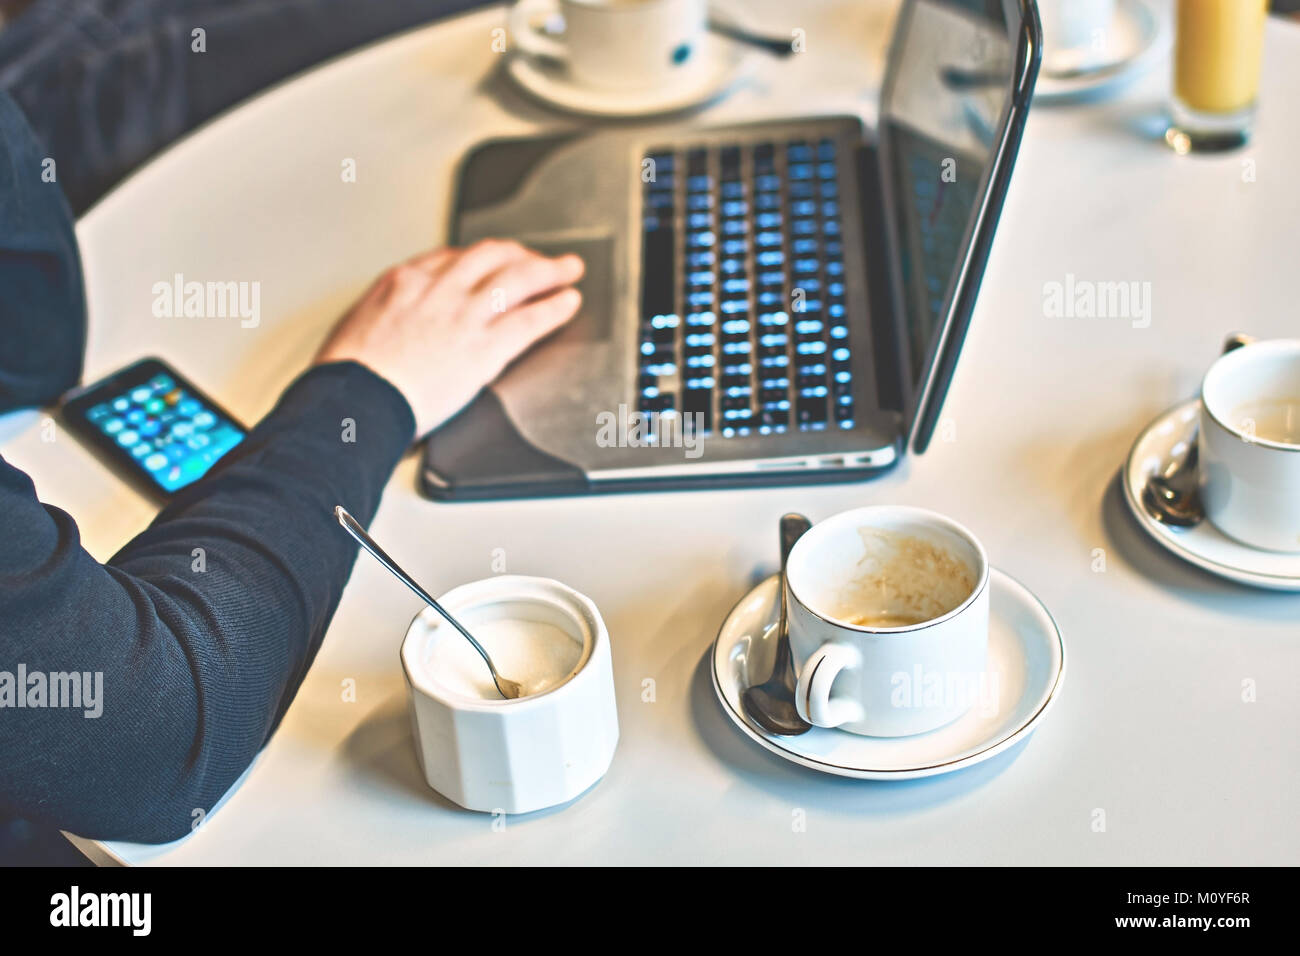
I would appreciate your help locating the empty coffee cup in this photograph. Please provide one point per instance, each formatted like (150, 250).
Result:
(514, 756)
(889, 617)
(614, 44)
(1249, 444)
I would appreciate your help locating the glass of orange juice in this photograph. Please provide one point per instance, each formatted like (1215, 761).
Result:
(1217, 52)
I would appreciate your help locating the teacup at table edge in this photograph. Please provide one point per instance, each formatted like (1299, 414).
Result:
(1250, 472)
(615, 44)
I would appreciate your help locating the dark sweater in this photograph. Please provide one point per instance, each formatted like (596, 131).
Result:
(198, 666)
(107, 83)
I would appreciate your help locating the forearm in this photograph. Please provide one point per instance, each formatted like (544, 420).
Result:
(203, 626)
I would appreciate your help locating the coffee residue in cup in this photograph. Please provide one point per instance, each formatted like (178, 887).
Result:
(1276, 420)
(887, 619)
(906, 581)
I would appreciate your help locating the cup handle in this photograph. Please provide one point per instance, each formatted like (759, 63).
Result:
(813, 693)
(527, 37)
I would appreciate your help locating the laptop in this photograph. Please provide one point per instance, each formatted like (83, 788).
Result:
(773, 303)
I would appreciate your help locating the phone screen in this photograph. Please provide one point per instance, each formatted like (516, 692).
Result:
(154, 422)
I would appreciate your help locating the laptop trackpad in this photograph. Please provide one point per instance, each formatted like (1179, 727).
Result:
(553, 392)
(594, 320)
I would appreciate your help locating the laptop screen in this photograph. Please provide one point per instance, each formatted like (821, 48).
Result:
(943, 114)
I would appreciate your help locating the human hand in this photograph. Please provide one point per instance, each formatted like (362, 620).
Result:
(444, 324)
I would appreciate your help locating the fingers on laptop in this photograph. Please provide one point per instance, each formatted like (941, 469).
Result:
(480, 260)
(538, 318)
(495, 278)
(522, 280)
(435, 261)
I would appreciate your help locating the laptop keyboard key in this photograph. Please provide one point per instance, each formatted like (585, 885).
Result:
(758, 227)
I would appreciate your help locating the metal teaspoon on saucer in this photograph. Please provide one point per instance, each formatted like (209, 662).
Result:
(771, 703)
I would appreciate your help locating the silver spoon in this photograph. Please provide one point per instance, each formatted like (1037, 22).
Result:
(509, 689)
(776, 46)
(1173, 496)
(771, 703)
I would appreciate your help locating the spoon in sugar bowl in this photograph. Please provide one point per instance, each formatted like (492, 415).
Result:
(509, 689)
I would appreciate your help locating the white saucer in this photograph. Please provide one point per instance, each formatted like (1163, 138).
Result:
(1138, 36)
(726, 62)
(1203, 545)
(1026, 653)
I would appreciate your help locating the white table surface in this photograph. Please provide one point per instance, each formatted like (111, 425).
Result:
(1150, 727)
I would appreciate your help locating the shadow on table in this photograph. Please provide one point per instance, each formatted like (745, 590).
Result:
(506, 93)
(1146, 119)
(383, 748)
(1089, 468)
(28, 844)
(1177, 576)
(764, 770)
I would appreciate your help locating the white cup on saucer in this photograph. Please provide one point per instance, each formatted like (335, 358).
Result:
(889, 621)
(487, 753)
(1076, 26)
(615, 44)
(1249, 444)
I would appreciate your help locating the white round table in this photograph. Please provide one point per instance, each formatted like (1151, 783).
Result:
(1151, 733)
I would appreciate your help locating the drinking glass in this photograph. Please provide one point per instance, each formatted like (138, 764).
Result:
(1217, 50)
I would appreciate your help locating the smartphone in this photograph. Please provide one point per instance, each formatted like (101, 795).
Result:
(152, 426)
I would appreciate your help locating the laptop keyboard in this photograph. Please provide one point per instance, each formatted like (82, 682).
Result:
(742, 308)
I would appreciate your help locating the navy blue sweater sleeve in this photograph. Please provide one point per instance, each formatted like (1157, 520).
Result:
(202, 627)
(188, 646)
(42, 304)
